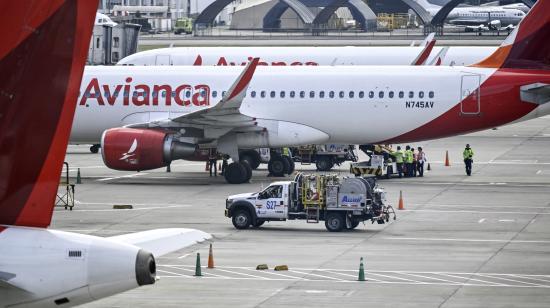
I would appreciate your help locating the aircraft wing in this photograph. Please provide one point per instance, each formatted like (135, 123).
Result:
(163, 241)
(222, 117)
(470, 21)
(536, 93)
(7, 286)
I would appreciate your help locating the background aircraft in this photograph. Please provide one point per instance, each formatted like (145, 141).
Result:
(41, 267)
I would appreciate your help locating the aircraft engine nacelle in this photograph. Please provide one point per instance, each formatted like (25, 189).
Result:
(132, 149)
(494, 24)
(72, 269)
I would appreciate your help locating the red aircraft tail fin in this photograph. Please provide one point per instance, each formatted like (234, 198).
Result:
(42, 60)
(527, 46)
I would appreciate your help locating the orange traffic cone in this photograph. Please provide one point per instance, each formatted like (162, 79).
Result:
(207, 168)
(447, 164)
(210, 258)
(401, 206)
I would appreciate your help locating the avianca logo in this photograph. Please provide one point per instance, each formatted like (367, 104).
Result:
(223, 62)
(131, 151)
(145, 95)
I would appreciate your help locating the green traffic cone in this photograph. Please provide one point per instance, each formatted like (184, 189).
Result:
(361, 271)
(198, 266)
(78, 178)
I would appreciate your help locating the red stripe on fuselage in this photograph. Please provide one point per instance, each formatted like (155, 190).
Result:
(500, 104)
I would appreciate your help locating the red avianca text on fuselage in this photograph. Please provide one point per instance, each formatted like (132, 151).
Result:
(144, 94)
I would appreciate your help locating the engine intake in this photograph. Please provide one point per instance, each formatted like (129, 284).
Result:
(146, 268)
(132, 149)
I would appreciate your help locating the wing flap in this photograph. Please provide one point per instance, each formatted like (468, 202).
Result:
(163, 241)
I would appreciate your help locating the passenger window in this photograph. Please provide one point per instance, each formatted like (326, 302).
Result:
(381, 94)
(411, 94)
(282, 94)
(262, 94)
(253, 94)
(371, 94)
(214, 94)
(390, 94)
(351, 94)
(312, 94)
(421, 94)
(292, 94)
(431, 94)
(272, 94)
(331, 94)
(322, 94)
(361, 94)
(302, 94)
(341, 94)
(401, 94)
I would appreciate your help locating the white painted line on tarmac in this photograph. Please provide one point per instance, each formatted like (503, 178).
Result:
(479, 206)
(203, 272)
(316, 275)
(478, 280)
(134, 209)
(539, 172)
(122, 177)
(530, 277)
(398, 278)
(184, 256)
(239, 273)
(477, 212)
(427, 277)
(508, 279)
(276, 274)
(176, 274)
(463, 240)
(506, 220)
(481, 221)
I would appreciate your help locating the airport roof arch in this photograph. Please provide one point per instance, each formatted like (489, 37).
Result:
(441, 15)
(421, 11)
(360, 11)
(273, 16)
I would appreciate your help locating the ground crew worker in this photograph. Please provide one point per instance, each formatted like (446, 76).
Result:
(286, 152)
(224, 163)
(420, 160)
(414, 164)
(399, 160)
(212, 160)
(408, 162)
(468, 155)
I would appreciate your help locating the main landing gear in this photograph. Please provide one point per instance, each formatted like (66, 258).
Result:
(95, 148)
(280, 165)
(238, 172)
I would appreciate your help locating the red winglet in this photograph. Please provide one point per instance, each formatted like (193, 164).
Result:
(42, 60)
(423, 56)
(245, 78)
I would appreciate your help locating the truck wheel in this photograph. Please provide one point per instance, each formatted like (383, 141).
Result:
(335, 222)
(95, 148)
(241, 219)
(258, 223)
(236, 173)
(278, 166)
(291, 165)
(324, 163)
(252, 157)
(389, 172)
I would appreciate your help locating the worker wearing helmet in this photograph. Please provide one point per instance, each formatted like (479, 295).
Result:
(468, 155)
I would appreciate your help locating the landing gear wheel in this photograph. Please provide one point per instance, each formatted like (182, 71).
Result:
(324, 163)
(291, 164)
(278, 166)
(248, 170)
(241, 220)
(236, 173)
(252, 157)
(335, 222)
(95, 148)
(258, 223)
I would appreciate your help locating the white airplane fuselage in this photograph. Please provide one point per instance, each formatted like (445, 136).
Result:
(353, 115)
(302, 56)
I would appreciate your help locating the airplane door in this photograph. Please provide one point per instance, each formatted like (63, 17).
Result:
(469, 96)
(162, 60)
